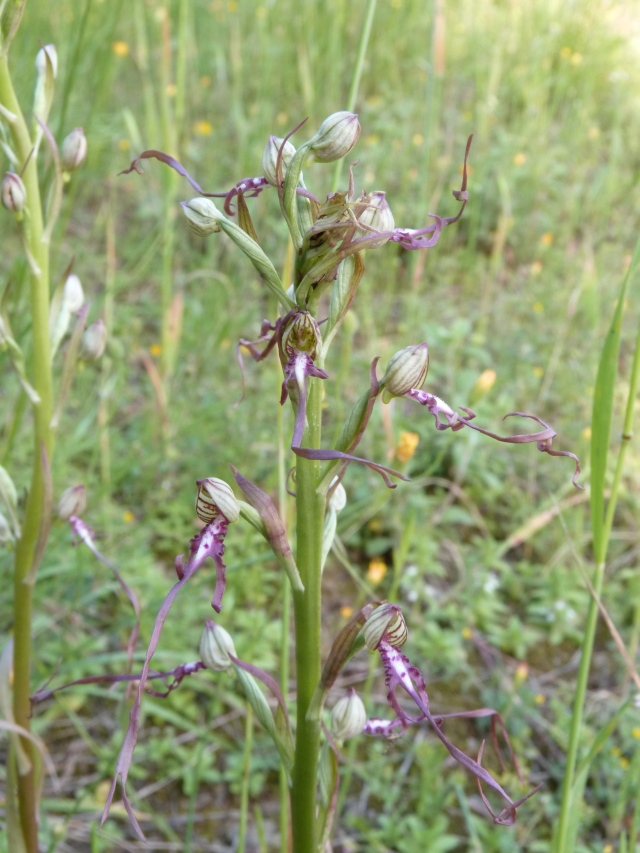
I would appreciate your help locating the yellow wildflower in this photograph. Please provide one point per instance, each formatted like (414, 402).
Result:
(376, 571)
(467, 633)
(547, 238)
(155, 349)
(539, 698)
(124, 144)
(120, 48)
(538, 307)
(203, 128)
(346, 611)
(128, 516)
(519, 159)
(406, 447)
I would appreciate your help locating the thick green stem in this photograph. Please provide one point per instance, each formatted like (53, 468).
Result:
(43, 439)
(310, 521)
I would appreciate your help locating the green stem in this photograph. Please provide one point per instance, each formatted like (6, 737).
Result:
(43, 440)
(285, 625)
(357, 74)
(246, 779)
(310, 522)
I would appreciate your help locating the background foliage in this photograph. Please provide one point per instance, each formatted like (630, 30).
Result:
(483, 548)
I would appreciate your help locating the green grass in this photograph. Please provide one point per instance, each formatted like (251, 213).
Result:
(525, 284)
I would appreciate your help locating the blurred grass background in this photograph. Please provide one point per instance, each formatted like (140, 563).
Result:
(483, 548)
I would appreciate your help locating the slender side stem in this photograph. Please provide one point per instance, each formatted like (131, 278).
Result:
(43, 439)
(246, 779)
(310, 521)
(357, 74)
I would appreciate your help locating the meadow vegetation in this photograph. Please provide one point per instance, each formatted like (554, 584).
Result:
(486, 548)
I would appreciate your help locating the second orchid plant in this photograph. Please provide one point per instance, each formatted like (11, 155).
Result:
(329, 237)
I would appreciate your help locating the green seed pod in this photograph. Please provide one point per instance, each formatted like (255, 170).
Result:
(13, 193)
(386, 622)
(215, 647)
(348, 716)
(407, 369)
(270, 158)
(202, 215)
(335, 138)
(73, 150)
(215, 497)
(73, 501)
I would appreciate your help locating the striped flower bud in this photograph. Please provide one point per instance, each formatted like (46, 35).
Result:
(348, 717)
(385, 623)
(215, 497)
(406, 370)
(373, 210)
(13, 192)
(302, 335)
(73, 150)
(202, 215)
(335, 138)
(73, 501)
(270, 158)
(215, 647)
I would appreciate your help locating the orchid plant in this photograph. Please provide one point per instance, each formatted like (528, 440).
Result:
(329, 237)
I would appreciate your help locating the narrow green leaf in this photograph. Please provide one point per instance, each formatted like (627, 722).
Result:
(603, 413)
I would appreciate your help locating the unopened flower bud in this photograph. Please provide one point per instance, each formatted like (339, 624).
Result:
(6, 534)
(73, 501)
(407, 369)
(335, 138)
(270, 158)
(202, 215)
(73, 150)
(386, 622)
(348, 716)
(94, 341)
(49, 50)
(375, 212)
(73, 294)
(302, 335)
(215, 647)
(338, 499)
(14, 193)
(215, 497)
